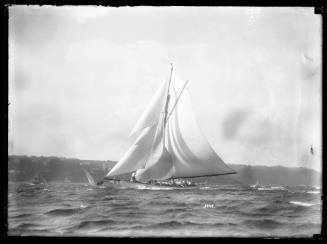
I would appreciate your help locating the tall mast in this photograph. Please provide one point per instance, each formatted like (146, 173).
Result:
(166, 104)
(168, 96)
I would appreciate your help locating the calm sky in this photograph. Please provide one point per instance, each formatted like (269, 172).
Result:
(79, 78)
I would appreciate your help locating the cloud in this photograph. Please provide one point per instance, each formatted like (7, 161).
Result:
(233, 122)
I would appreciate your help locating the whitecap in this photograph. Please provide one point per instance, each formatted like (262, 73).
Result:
(83, 206)
(313, 192)
(206, 188)
(304, 204)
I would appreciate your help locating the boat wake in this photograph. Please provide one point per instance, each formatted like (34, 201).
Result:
(156, 188)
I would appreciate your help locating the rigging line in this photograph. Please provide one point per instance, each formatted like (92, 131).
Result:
(176, 101)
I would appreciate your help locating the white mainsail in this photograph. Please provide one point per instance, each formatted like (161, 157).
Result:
(175, 149)
(191, 152)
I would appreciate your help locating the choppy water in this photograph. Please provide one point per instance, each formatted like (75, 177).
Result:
(209, 210)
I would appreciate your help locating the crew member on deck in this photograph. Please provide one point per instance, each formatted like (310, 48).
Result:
(99, 182)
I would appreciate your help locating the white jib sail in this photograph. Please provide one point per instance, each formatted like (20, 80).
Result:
(136, 155)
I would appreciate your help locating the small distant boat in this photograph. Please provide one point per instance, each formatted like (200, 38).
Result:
(170, 145)
(256, 185)
(89, 178)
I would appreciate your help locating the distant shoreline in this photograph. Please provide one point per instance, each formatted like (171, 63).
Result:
(24, 168)
(114, 162)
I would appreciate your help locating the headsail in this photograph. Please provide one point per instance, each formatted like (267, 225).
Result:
(136, 155)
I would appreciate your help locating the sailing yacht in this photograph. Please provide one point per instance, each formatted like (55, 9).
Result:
(256, 185)
(89, 178)
(170, 145)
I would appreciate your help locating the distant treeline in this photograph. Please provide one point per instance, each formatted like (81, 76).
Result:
(25, 168)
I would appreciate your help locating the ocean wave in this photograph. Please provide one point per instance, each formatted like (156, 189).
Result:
(27, 226)
(64, 211)
(304, 204)
(263, 223)
(173, 223)
(93, 223)
(24, 215)
(176, 224)
(106, 198)
(112, 211)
